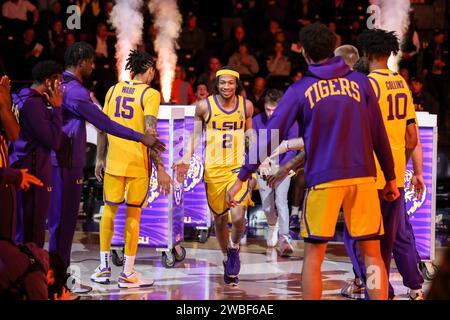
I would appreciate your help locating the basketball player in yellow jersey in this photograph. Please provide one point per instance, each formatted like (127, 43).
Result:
(135, 105)
(227, 118)
(399, 118)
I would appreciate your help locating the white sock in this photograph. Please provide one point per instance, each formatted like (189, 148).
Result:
(294, 211)
(104, 259)
(128, 264)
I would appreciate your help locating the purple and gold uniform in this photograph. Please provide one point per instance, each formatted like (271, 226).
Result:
(224, 153)
(127, 163)
(397, 108)
(341, 124)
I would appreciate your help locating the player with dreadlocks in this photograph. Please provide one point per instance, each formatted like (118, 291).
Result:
(399, 118)
(133, 104)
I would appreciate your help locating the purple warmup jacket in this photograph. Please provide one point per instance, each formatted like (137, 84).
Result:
(77, 108)
(340, 122)
(40, 132)
(260, 121)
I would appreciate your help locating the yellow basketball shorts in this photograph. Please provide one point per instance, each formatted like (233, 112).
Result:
(135, 188)
(360, 204)
(216, 196)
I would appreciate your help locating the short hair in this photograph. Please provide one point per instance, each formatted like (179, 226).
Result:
(239, 86)
(45, 70)
(139, 62)
(318, 41)
(379, 43)
(349, 53)
(201, 83)
(78, 52)
(273, 96)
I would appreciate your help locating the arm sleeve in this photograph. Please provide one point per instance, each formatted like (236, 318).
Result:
(151, 100)
(91, 113)
(46, 131)
(283, 118)
(380, 139)
(10, 176)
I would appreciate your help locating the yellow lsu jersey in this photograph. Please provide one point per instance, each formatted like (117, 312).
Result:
(397, 109)
(225, 140)
(127, 103)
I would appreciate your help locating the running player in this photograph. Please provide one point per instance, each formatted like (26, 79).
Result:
(134, 105)
(228, 118)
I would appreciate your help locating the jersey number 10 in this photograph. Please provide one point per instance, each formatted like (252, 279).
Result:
(123, 109)
(398, 102)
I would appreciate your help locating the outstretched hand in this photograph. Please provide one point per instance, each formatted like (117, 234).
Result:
(28, 180)
(150, 139)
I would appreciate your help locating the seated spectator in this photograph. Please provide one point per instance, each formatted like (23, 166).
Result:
(192, 38)
(56, 35)
(182, 93)
(201, 91)
(29, 52)
(332, 27)
(104, 47)
(209, 76)
(267, 38)
(18, 9)
(404, 72)
(60, 49)
(279, 64)
(232, 45)
(243, 62)
(90, 11)
(423, 100)
(256, 94)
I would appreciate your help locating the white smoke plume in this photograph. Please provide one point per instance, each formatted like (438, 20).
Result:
(394, 17)
(126, 17)
(168, 23)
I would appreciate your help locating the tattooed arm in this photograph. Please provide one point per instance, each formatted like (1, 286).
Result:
(164, 180)
(283, 171)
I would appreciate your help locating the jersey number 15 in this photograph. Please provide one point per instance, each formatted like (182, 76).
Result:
(123, 109)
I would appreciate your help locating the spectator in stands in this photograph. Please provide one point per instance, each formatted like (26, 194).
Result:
(404, 72)
(256, 94)
(29, 51)
(423, 100)
(192, 38)
(278, 64)
(436, 69)
(182, 93)
(232, 45)
(58, 52)
(209, 76)
(105, 16)
(18, 9)
(332, 27)
(267, 39)
(296, 75)
(56, 35)
(244, 62)
(90, 11)
(201, 91)
(103, 46)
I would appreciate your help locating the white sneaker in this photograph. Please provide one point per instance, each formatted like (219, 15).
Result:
(134, 280)
(101, 275)
(243, 241)
(272, 236)
(285, 248)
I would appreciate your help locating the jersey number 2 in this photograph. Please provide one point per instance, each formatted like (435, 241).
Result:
(127, 112)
